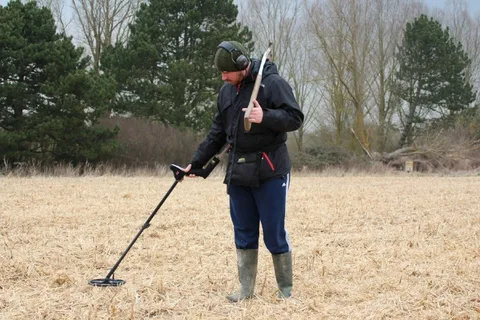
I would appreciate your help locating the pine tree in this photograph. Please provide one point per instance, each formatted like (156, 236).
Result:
(166, 72)
(432, 76)
(49, 102)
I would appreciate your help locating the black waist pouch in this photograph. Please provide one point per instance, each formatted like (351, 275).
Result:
(245, 169)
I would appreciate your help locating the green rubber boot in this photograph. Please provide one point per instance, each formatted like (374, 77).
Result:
(283, 272)
(247, 260)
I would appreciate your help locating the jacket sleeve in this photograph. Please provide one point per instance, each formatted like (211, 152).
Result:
(283, 114)
(213, 143)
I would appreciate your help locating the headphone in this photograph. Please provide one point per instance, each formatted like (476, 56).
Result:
(241, 61)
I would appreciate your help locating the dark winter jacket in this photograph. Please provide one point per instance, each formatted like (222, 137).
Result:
(259, 154)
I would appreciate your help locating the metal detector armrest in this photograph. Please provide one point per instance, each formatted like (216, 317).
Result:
(205, 171)
(202, 172)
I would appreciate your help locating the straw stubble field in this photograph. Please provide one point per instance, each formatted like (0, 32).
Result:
(378, 247)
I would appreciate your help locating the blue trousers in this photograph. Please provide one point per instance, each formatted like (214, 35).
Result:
(266, 204)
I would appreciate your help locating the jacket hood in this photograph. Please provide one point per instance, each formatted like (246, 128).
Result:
(268, 69)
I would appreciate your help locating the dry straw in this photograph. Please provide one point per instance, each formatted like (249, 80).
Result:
(383, 247)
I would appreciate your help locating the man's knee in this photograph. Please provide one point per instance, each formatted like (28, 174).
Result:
(246, 239)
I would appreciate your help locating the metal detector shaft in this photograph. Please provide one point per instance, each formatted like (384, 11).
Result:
(145, 226)
(108, 281)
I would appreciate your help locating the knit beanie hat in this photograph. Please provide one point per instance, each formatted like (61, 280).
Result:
(226, 60)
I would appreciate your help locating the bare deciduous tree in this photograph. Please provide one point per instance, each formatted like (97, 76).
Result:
(60, 12)
(343, 30)
(465, 27)
(271, 21)
(103, 22)
(390, 17)
(330, 75)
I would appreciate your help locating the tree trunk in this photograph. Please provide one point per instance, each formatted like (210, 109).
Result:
(406, 136)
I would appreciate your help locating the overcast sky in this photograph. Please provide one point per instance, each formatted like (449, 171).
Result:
(474, 5)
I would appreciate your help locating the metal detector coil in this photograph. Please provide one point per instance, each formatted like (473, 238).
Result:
(107, 282)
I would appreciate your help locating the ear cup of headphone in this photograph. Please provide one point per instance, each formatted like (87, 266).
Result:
(241, 61)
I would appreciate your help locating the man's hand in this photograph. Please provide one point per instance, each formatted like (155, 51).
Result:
(256, 115)
(187, 169)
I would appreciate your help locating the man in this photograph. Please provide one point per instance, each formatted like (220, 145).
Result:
(258, 170)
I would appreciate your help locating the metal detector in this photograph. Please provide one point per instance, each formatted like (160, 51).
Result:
(178, 173)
